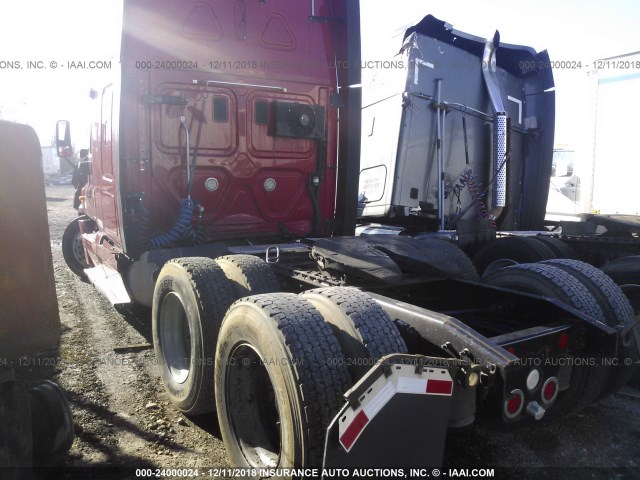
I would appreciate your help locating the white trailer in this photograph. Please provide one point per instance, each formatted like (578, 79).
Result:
(596, 174)
(616, 161)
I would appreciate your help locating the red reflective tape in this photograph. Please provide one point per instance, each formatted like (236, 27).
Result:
(441, 387)
(350, 435)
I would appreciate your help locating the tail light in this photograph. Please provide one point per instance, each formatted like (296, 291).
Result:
(549, 390)
(563, 340)
(513, 404)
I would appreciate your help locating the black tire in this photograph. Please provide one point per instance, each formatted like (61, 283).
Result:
(587, 383)
(52, 424)
(457, 256)
(190, 300)
(248, 275)
(616, 309)
(364, 330)
(72, 249)
(279, 381)
(518, 249)
(624, 270)
(558, 247)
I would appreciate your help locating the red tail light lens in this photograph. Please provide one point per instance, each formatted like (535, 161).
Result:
(563, 340)
(513, 404)
(549, 390)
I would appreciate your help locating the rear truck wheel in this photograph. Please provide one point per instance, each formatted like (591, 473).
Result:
(364, 330)
(559, 248)
(616, 308)
(190, 300)
(587, 383)
(279, 380)
(518, 249)
(626, 271)
(617, 313)
(248, 275)
(73, 250)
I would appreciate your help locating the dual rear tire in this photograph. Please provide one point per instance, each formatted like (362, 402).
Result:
(283, 363)
(278, 383)
(273, 365)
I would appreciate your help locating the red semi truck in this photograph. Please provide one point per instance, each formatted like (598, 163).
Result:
(223, 191)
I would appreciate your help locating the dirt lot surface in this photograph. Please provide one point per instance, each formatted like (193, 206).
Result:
(123, 418)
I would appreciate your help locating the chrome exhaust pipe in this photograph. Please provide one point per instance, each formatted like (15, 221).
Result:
(499, 125)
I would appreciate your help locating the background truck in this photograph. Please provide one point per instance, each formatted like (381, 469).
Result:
(565, 188)
(604, 154)
(224, 193)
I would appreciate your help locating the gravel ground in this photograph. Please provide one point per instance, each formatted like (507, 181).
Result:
(123, 418)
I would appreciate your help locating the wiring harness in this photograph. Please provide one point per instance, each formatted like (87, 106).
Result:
(470, 181)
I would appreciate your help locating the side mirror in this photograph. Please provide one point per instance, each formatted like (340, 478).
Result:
(63, 139)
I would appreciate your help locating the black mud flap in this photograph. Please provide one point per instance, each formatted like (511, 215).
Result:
(396, 416)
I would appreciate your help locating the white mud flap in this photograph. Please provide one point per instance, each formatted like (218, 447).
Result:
(396, 415)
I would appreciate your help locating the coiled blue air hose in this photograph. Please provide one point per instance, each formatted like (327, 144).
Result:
(182, 230)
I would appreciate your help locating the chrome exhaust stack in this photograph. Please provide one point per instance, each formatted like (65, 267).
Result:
(499, 126)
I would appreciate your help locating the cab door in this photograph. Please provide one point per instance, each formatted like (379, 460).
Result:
(106, 188)
(102, 198)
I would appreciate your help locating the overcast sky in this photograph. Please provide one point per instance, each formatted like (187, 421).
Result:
(76, 30)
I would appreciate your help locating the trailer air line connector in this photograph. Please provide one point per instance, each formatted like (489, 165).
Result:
(499, 125)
